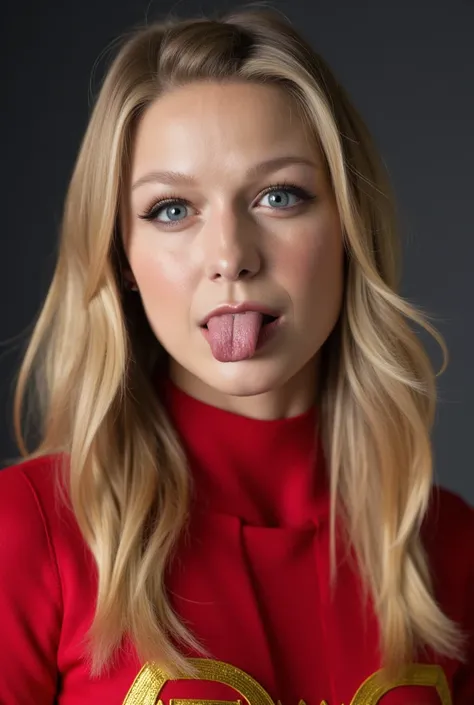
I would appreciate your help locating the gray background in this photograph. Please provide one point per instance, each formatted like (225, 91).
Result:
(409, 68)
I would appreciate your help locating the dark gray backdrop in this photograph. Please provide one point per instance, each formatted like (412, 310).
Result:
(409, 67)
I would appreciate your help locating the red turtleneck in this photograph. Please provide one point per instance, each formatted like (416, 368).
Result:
(250, 579)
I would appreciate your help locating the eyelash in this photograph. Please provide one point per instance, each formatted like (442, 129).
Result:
(151, 212)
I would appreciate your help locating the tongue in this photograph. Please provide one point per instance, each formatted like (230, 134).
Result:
(234, 336)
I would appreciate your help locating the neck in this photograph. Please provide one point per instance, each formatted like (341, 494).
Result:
(267, 472)
(291, 398)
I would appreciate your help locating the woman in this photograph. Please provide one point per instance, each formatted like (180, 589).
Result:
(232, 496)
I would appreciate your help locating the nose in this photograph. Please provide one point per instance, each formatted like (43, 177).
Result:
(231, 250)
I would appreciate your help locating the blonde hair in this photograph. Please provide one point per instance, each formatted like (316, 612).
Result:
(92, 353)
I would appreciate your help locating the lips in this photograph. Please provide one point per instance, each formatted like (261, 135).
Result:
(269, 313)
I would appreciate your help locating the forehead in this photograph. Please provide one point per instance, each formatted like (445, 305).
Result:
(226, 124)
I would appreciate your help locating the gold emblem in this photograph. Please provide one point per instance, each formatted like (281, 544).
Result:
(149, 683)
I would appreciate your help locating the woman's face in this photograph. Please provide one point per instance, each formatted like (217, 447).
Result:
(232, 233)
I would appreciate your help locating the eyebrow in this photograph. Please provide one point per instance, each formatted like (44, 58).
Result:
(176, 177)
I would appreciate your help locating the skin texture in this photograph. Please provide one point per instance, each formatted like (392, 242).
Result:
(233, 243)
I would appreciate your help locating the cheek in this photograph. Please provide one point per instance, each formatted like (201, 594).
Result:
(313, 266)
(163, 278)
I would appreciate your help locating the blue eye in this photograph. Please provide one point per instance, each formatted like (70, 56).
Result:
(170, 211)
(279, 195)
(276, 199)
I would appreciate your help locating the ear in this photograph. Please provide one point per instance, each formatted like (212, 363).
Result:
(129, 280)
(128, 276)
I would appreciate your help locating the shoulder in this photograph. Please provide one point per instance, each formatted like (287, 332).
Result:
(448, 537)
(449, 518)
(31, 480)
(28, 561)
(31, 581)
(29, 502)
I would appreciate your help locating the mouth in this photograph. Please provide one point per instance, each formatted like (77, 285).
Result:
(268, 313)
(267, 319)
(237, 335)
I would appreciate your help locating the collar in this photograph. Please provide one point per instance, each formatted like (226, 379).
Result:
(266, 472)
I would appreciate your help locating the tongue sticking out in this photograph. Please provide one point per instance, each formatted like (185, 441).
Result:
(234, 336)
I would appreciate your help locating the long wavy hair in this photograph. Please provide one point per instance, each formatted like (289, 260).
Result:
(90, 359)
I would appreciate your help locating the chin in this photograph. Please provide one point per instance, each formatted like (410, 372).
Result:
(244, 379)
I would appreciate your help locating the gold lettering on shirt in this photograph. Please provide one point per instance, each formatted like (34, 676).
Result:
(373, 689)
(192, 701)
(148, 684)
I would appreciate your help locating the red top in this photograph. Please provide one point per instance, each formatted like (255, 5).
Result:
(251, 581)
